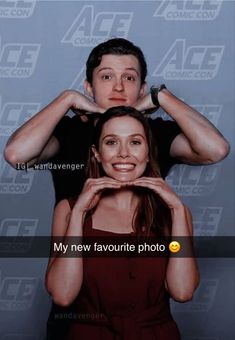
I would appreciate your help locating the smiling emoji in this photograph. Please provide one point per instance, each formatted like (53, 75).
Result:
(174, 247)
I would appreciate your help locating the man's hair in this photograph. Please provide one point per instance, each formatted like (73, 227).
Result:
(115, 46)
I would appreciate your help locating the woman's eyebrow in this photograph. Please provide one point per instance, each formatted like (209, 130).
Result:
(110, 135)
(116, 136)
(137, 135)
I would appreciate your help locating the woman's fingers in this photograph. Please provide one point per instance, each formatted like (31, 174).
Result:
(97, 184)
(105, 185)
(161, 188)
(150, 182)
(92, 190)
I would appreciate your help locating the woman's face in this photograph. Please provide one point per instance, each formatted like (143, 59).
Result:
(123, 148)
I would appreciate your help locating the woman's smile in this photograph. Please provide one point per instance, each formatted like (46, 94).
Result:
(123, 167)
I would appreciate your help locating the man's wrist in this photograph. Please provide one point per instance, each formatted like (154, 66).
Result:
(68, 98)
(154, 91)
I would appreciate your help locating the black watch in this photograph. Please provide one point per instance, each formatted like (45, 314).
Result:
(154, 90)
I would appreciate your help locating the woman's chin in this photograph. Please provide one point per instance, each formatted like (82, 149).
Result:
(124, 177)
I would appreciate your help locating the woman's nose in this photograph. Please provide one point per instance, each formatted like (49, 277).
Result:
(123, 151)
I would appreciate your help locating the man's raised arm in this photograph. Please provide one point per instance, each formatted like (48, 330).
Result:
(34, 142)
(200, 142)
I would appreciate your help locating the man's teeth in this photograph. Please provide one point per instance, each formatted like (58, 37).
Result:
(127, 166)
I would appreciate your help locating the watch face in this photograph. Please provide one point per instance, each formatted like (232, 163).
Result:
(154, 89)
(158, 88)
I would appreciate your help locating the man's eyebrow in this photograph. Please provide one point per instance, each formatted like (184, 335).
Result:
(126, 69)
(132, 69)
(104, 68)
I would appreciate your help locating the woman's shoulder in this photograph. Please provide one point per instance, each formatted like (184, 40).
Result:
(65, 203)
(61, 215)
(64, 207)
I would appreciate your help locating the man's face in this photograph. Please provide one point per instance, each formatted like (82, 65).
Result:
(116, 81)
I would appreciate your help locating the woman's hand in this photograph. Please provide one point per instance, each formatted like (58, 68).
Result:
(161, 188)
(92, 190)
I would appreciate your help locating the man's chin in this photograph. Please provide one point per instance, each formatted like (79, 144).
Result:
(117, 103)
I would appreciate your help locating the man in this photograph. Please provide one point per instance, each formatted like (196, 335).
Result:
(115, 75)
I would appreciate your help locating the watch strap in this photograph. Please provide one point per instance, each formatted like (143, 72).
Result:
(154, 90)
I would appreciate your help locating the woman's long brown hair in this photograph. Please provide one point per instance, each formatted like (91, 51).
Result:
(151, 212)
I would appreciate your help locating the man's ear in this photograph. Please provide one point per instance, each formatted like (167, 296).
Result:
(96, 153)
(143, 90)
(88, 88)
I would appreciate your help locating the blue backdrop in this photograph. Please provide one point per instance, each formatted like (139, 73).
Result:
(189, 45)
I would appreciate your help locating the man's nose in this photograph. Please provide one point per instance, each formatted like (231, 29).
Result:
(118, 85)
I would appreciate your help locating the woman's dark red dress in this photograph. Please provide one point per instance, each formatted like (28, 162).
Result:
(122, 298)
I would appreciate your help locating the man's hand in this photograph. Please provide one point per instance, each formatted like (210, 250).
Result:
(80, 104)
(145, 104)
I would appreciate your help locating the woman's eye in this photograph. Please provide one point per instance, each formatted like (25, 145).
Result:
(136, 142)
(110, 142)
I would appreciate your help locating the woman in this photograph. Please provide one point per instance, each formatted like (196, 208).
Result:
(122, 297)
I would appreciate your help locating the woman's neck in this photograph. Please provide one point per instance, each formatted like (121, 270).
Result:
(123, 199)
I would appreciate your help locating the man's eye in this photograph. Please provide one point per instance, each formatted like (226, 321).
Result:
(129, 77)
(106, 77)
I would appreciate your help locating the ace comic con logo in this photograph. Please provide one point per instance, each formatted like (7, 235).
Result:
(91, 28)
(190, 62)
(194, 181)
(14, 181)
(17, 9)
(17, 235)
(19, 227)
(206, 220)
(17, 292)
(18, 60)
(190, 10)
(15, 114)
